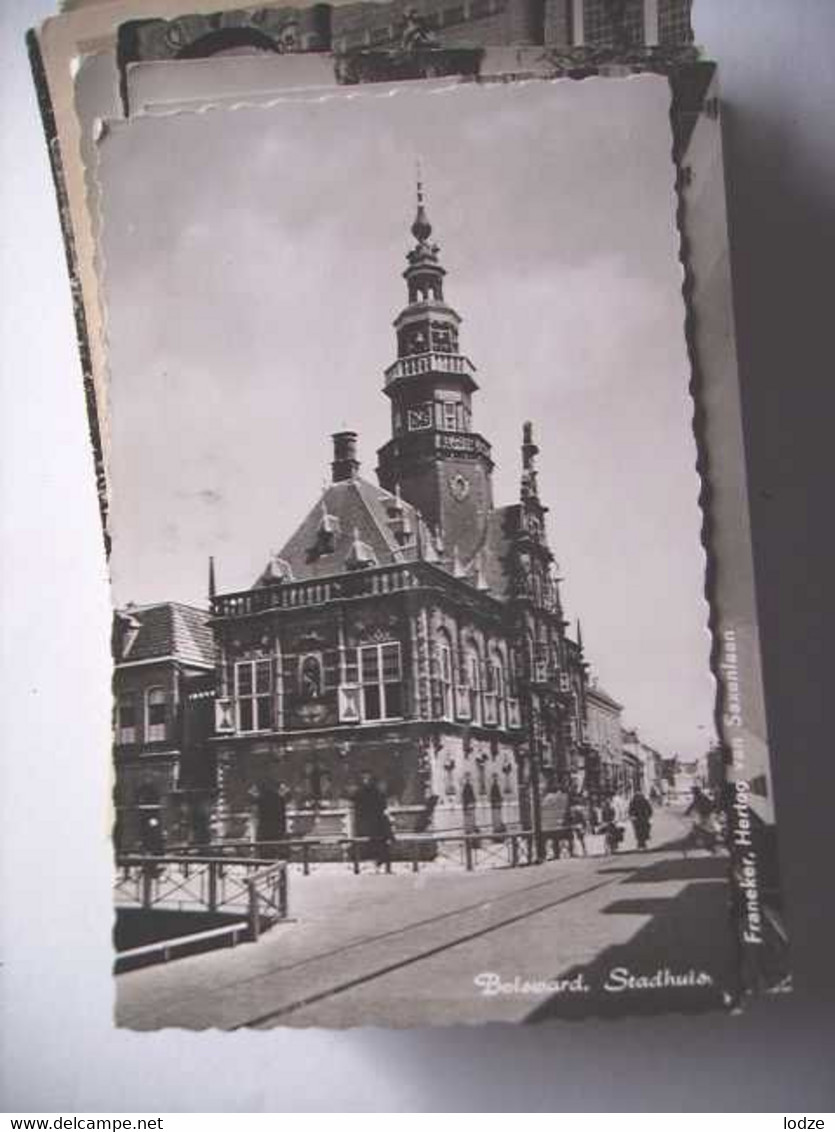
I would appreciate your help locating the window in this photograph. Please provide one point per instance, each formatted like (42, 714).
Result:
(382, 681)
(674, 22)
(612, 23)
(442, 338)
(474, 682)
(351, 674)
(450, 416)
(497, 676)
(126, 718)
(445, 678)
(155, 704)
(253, 692)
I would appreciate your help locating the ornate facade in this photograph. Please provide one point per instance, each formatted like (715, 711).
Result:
(409, 629)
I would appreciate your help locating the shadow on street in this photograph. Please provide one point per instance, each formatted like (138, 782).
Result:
(687, 933)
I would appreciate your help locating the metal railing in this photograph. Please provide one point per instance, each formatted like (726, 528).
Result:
(205, 881)
(467, 850)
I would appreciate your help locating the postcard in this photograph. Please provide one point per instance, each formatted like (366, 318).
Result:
(436, 669)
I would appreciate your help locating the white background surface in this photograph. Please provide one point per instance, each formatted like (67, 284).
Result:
(59, 1050)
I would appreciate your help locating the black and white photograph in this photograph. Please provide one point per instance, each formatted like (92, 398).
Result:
(414, 712)
(413, 627)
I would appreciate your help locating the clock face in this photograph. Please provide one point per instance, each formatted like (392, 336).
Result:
(420, 416)
(459, 486)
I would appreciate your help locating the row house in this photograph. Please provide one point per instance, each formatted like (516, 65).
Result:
(163, 681)
(604, 771)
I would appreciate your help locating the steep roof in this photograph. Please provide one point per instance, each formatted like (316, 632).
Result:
(502, 524)
(170, 629)
(348, 512)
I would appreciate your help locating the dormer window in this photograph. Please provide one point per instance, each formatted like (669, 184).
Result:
(278, 570)
(360, 556)
(326, 535)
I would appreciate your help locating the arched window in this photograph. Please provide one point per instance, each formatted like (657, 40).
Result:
(496, 689)
(155, 722)
(474, 684)
(496, 675)
(445, 682)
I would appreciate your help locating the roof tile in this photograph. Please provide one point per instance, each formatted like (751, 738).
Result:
(169, 629)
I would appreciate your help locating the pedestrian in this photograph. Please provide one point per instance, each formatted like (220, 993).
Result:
(612, 832)
(553, 810)
(578, 822)
(372, 822)
(270, 818)
(640, 811)
(425, 817)
(704, 831)
(468, 802)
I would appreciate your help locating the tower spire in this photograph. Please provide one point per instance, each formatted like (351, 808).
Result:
(530, 451)
(442, 467)
(421, 229)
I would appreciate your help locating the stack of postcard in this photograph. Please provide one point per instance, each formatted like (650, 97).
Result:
(407, 335)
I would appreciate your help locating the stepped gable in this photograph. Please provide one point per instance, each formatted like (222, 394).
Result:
(347, 510)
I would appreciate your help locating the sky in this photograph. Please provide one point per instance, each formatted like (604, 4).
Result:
(252, 268)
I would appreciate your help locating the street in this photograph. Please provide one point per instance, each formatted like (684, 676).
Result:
(568, 938)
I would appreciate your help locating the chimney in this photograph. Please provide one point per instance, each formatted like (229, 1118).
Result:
(345, 464)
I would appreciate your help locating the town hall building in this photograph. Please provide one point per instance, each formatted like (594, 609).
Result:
(410, 631)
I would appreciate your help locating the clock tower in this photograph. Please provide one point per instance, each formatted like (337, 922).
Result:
(434, 458)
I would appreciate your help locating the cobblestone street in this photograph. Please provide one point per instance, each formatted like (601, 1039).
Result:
(406, 949)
